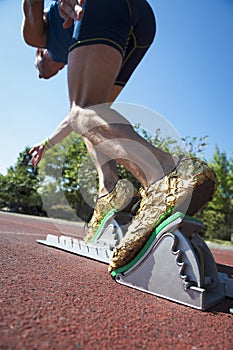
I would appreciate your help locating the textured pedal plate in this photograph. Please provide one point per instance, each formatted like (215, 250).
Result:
(79, 247)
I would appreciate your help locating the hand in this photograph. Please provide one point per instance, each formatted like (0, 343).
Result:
(70, 10)
(37, 152)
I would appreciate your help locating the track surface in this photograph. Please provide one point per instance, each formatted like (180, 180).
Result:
(50, 299)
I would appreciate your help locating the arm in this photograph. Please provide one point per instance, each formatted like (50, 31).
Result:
(34, 23)
(62, 131)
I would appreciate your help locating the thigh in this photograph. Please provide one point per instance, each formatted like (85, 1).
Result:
(140, 39)
(103, 22)
(97, 49)
(92, 71)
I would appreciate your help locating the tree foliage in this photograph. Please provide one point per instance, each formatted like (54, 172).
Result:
(19, 187)
(218, 215)
(68, 180)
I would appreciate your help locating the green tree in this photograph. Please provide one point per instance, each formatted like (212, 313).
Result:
(19, 187)
(62, 181)
(3, 191)
(218, 215)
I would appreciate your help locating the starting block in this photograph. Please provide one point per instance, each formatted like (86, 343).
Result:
(108, 236)
(175, 262)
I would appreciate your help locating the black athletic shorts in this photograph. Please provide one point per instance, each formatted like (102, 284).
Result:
(127, 25)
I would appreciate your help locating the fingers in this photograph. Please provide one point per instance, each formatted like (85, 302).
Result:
(36, 158)
(34, 149)
(37, 153)
(67, 23)
(70, 10)
(79, 11)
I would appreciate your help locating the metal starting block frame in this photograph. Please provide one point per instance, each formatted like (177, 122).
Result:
(174, 264)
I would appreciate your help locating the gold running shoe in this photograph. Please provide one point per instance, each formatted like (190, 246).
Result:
(118, 199)
(187, 189)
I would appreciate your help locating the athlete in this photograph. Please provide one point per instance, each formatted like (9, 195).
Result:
(52, 40)
(108, 43)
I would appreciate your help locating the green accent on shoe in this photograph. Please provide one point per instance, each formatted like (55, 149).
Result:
(96, 236)
(118, 199)
(162, 223)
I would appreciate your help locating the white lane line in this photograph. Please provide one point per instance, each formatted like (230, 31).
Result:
(20, 233)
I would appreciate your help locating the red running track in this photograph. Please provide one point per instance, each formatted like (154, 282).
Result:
(50, 299)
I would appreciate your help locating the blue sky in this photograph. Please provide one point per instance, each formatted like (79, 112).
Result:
(187, 77)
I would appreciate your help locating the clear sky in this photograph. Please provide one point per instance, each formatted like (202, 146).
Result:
(187, 77)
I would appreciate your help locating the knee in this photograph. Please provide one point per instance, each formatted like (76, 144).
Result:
(80, 119)
(75, 118)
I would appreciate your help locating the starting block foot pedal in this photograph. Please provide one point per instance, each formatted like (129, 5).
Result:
(175, 264)
(79, 247)
(109, 234)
